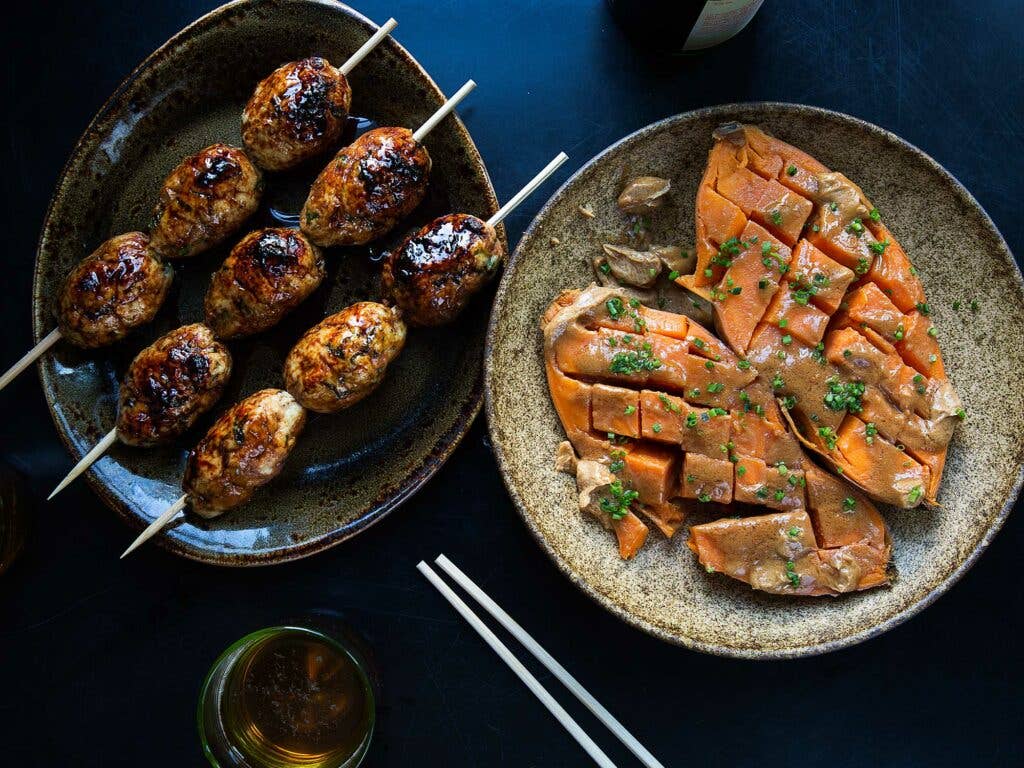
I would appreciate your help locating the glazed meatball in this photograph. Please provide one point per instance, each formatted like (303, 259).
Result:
(343, 359)
(267, 275)
(433, 274)
(116, 288)
(170, 384)
(204, 201)
(296, 113)
(367, 188)
(245, 449)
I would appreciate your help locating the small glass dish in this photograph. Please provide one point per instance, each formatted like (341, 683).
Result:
(288, 696)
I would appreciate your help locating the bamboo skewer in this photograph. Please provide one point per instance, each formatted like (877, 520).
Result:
(516, 666)
(528, 190)
(86, 461)
(54, 336)
(418, 135)
(545, 658)
(504, 211)
(98, 450)
(30, 357)
(154, 527)
(443, 110)
(368, 46)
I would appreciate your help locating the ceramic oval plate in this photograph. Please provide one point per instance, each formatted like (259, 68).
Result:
(348, 469)
(664, 591)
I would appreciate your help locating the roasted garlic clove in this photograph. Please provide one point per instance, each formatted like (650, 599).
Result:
(643, 195)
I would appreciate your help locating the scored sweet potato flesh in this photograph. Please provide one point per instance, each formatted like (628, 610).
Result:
(663, 418)
(809, 285)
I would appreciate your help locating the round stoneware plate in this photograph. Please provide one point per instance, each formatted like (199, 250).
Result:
(348, 469)
(664, 591)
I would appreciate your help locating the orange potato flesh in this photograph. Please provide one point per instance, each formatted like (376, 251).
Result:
(707, 479)
(687, 456)
(867, 304)
(879, 467)
(847, 275)
(771, 486)
(841, 515)
(662, 417)
(755, 274)
(779, 553)
(631, 534)
(920, 347)
(803, 321)
(783, 212)
(652, 471)
(615, 409)
(810, 266)
(894, 274)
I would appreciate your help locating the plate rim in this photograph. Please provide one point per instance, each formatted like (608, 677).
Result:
(650, 628)
(446, 443)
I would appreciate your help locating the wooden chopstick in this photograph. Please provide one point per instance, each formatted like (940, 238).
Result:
(517, 666)
(549, 662)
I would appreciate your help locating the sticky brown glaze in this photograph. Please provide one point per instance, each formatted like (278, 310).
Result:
(170, 384)
(296, 113)
(267, 275)
(367, 188)
(245, 449)
(116, 288)
(434, 273)
(204, 201)
(343, 359)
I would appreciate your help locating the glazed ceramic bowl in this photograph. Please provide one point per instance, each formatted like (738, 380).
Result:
(664, 591)
(348, 469)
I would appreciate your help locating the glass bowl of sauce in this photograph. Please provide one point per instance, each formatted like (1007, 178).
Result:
(288, 696)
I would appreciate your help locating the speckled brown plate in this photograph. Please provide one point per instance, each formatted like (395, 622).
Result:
(663, 591)
(349, 469)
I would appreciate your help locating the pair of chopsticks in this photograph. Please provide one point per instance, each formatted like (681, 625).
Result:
(542, 656)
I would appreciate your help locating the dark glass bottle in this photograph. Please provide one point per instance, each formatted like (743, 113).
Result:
(682, 26)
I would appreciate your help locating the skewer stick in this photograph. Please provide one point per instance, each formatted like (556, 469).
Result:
(157, 524)
(549, 662)
(364, 50)
(87, 461)
(516, 666)
(368, 46)
(528, 190)
(442, 113)
(30, 357)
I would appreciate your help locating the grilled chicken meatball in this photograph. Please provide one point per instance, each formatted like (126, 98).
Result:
(343, 359)
(267, 275)
(296, 113)
(204, 201)
(367, 188)
(433, 274)
(170, 384)
(116, 288)
(245, 449)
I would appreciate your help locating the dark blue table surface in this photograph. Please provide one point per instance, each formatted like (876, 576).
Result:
(101, 660)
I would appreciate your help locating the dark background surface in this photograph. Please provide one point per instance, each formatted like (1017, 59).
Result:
(102, 660)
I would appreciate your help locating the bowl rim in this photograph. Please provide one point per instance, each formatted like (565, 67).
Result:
(724, 111)
(447, 441)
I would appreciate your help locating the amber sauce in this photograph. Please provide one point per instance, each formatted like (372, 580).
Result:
(297, 699)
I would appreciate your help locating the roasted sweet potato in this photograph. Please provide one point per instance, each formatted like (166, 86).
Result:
(662, 418)
(810, 285)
